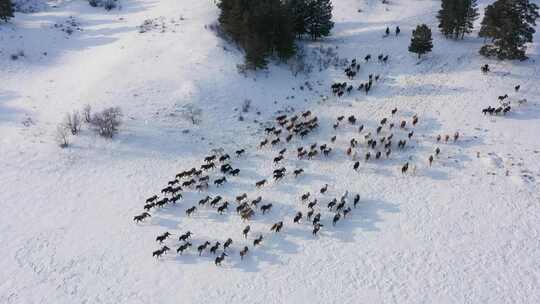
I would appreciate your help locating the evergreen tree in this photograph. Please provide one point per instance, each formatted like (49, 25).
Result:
(283, 38)
(231, 18)
(264, 28)
(319, 18)
(447, 17)
(299, 12)
(6, 10)
(256, 53)
(510, 25)
(469, 13)
(421, 41)
(261, 27)
(456, 17)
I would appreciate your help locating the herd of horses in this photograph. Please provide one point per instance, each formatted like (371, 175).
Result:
(351, 71)
(391, 132)
(391, 135)
(504, 106)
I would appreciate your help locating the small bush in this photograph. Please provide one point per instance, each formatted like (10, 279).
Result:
(297, 63)
(62, 136)
(192, 113)
(87, 113)
(107, 4)
(246, 105)
(73, 122)
(107, 122)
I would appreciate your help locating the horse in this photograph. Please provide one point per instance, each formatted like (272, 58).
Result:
(220, 259)
(243, 252)
(152, 199)
(162, 237)
(316, 228)
(246, 231)
(158, 253)
(183, 247)
(297, 217)
(141, 217)
(185, 236)
(191, 210)
(240, 152)
(214, 248)
(260, 183)
(223, 207)
(277, 227)
(405, 168)
(266, 207)
(258, 240)
(202, 247)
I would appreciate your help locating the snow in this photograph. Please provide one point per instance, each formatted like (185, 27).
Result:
(465, 230)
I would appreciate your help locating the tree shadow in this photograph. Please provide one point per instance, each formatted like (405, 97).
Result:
(8, 113)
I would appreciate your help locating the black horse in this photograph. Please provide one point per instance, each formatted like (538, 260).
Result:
(158, 253)
(183, 247)
(141, 217)
(202, 247)
(162, 237)
(220, 259)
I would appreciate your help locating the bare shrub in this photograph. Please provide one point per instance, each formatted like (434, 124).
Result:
(62, 135)
(192, 113)
(73, 122)
(107, 4)
(107, 122)
(298, 63)
(246, 105)
(87, 113)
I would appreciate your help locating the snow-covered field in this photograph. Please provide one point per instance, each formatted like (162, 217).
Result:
(465, 230)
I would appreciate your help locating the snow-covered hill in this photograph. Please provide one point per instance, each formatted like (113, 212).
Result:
(465, 230)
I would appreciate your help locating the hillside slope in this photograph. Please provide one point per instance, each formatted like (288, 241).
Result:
(465, 230)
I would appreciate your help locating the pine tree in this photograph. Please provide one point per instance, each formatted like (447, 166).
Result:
(299, 12)
(261, 27)
(421, 41)
(319, 19)
(469, 14)
(231, 18)
(6, 10)
(256, 53)
(510, 25)
(456, 17)
(264, 28)
(284, 33)
(447, 17)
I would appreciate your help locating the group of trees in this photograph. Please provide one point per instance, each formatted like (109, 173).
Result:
(105, 123)
(311, 17)
(6, 10)
(265, 28)
(507, 24)
(456, 17)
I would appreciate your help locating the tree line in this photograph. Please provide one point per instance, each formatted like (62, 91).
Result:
(6, 10)
(507, 26)
(269, 28)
